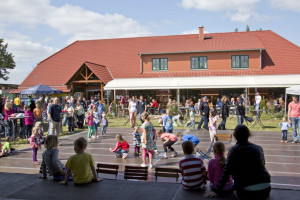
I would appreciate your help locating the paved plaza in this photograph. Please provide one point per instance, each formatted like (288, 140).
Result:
(282, 161)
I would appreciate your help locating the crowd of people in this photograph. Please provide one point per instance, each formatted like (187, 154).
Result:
(243, 171)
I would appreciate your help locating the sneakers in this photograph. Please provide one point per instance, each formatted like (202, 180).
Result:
(118, 156)
(286, 141)
(294, 142)
(281, 141)
(143, 165)
(36, 163)
(93, 137)
(174, 155)
(150, 166)
(124, 155)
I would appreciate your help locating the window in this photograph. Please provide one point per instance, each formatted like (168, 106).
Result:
(159, 64)
(199, 62)
(241, 61)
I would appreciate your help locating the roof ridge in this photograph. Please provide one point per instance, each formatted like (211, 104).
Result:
(94, 63)
(284, 39)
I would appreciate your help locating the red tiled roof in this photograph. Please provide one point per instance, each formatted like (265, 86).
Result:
(100, 71)
(121, 58)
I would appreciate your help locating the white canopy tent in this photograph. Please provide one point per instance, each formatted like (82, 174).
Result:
(295, 90)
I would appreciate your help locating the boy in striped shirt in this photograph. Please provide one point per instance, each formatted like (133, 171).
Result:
(192, 169)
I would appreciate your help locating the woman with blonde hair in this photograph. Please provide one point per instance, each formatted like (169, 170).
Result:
(8, 112)
(132, 107)
(122, 147)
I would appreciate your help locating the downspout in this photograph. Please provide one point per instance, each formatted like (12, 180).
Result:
(260, 57)
(141, 60)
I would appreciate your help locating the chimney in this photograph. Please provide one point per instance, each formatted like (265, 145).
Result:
(201, 32)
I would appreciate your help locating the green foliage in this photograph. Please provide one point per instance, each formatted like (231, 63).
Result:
(236, 30)
(115, 107)
(6, 61)
(263, 103)
(173, 109)
(247, 28)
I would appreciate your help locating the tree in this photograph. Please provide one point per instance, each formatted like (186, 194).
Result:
(6, 61)
(236, 30)
(247, 28)
(260, 29)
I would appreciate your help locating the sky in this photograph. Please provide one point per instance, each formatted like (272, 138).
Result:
(36, 29)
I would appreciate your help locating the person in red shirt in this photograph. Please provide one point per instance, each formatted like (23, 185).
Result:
(294, 117)
(154, 104)
(122, 147)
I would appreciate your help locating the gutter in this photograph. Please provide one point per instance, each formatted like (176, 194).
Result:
(260, 57)
(141, 60)
(213, 51)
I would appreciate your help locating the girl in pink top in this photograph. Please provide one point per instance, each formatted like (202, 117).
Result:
(28, 121)
(169, 139)
(35, 144)
(215, 167)
(91, 126)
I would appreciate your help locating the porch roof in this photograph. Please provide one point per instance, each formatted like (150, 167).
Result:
(260, 81)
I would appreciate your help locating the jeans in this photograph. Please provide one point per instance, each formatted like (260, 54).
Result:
(70, 123)
(284, 135)
(240, 119)
(222, 124)
(192, 123)
(65, 119)
(28, 129)
(103, 130)
(8, 127)
(140, 117)
(205, 120)
(295, 126)
(80, 120)
(169, 131)
(120, 151)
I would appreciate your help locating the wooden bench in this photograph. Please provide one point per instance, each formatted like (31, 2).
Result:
(225, 138)
(137, 173)
(166, 172)
(107, 169)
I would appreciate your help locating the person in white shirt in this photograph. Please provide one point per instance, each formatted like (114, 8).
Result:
(257, 101)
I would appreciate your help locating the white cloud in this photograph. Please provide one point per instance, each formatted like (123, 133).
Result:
(75, 21)
(236, 10)
(191, 31)
(17, 75)
(293, 5)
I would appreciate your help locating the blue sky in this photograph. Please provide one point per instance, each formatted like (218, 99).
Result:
(35, 29)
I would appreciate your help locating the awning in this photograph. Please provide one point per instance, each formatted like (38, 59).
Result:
(265, 81)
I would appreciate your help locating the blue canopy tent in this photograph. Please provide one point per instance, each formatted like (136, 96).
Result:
(41, 89)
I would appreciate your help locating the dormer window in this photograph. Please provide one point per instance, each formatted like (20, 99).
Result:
(199, 62)
(239, 61)
(159, 64)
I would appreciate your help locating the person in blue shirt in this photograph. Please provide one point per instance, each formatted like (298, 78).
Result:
(100, 108)
(168, 123)
(218, 104)
(191, 138)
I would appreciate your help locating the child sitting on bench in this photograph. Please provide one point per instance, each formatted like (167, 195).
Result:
(81, 164)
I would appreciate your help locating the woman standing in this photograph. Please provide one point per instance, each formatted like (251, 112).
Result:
(224, 112)
(80, 114)
(8, 112)
(147, 139)
(132, 111)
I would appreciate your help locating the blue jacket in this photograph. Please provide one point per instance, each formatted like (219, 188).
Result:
(100, 108)
(168, 123)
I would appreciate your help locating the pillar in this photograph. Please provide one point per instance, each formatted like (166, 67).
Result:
(101, 92)
(178, 96)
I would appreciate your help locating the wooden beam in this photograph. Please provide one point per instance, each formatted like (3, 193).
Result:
(87, 81)
(86, 73)
(90, 76)
(82, 76)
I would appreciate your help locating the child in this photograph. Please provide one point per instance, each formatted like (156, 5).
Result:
(40, 131)
(136, 141)
(91, 127)
(192, 164)
(215, 168)
(285, 126)
(96, 120)
(35, 144)
(178, 118)
(122, 147)
(81, 164)
(38, 113)
(28, 121)
(154, 140)
(191, 138)
(169, 140)
(51, 161)
(212, 124)
(168, 124)
(191, 122)
(6, 149)
(104, 124)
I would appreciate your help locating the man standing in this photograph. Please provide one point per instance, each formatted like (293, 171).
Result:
(204, 111)
(240, 111)
(224, 113)
(54, 117)
(257, 102)
(294, 117)
(141, 107)
(100, 109)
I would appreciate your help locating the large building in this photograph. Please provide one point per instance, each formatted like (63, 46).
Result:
(176, 66)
